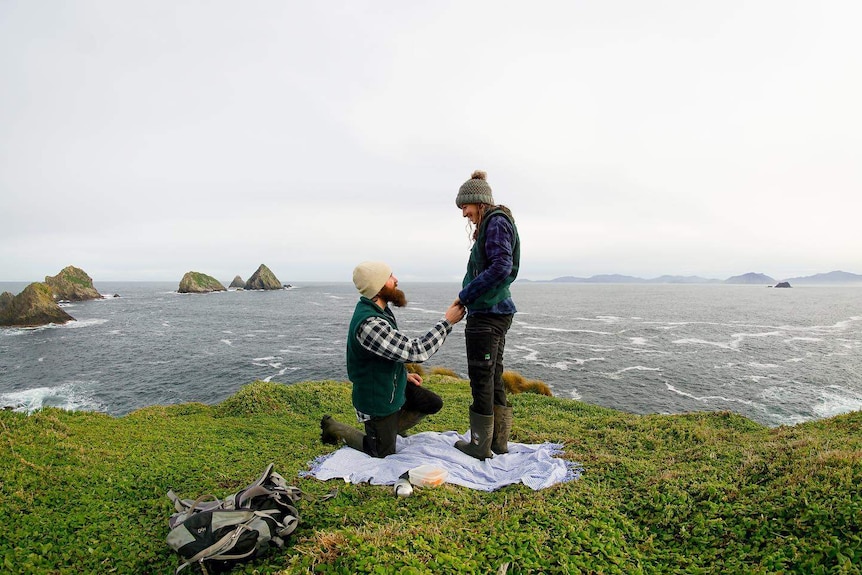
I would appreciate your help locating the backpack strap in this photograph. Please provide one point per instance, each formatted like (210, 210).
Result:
(189, 506)
(251, 493)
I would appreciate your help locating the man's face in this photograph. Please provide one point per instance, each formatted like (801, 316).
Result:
(391, 294)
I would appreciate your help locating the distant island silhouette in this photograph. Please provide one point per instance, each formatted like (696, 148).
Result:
(751, 278)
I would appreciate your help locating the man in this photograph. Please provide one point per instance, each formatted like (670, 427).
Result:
(387, 399)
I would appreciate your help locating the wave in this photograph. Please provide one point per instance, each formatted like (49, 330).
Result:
(71, 396)
(74, 324)
(837, 401)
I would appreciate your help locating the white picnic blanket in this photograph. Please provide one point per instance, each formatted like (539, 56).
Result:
(533, 465)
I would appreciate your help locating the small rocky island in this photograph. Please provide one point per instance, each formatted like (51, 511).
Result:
(72, 284)
(32, 307)
(196, 282)
(783, 285)
(237, 283)
(263, 279)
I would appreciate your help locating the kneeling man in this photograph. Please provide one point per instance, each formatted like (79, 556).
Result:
(387, 399)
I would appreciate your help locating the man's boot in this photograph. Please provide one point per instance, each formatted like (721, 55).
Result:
(502, 429)
(408, 419)
(481, 433)
(332, 432)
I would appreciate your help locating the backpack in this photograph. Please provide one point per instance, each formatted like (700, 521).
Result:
(218, 534)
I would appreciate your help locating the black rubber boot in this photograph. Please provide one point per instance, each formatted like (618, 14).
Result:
(331, 432)
(481, 433)
(502, 429)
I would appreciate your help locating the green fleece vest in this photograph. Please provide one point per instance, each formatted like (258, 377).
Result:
(479, 262)
(378, 383)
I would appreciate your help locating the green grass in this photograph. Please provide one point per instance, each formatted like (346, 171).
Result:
(694, 493)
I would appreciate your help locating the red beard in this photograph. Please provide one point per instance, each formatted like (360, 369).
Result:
(394, 296)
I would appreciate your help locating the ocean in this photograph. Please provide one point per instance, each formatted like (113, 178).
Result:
(777, 356)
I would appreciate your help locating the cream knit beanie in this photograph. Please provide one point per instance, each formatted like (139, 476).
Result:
(370, 277)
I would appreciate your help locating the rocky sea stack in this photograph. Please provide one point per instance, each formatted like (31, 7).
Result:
(72, 284)
(196, 282)
(32, 307)
(237, 283)
(263, 278)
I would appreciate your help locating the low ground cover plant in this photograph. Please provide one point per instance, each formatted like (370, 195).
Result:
(693, 493)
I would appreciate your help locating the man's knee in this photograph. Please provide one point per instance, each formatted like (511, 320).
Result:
(434, 404)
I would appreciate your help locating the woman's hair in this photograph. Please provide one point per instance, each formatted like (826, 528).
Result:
(482, 209)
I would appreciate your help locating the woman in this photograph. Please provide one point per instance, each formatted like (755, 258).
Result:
(493, 266)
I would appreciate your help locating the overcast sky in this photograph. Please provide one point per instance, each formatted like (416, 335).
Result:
(141, 140)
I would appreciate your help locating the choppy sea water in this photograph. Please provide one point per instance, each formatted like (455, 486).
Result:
(777, 356)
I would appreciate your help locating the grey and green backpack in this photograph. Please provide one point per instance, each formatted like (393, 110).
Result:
(216, 534)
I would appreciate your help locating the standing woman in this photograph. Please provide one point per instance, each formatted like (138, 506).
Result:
(493, 266)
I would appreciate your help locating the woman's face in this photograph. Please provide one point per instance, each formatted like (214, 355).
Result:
(471, 212)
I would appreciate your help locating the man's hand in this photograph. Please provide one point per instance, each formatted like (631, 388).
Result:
(414, 378)
(456, 312)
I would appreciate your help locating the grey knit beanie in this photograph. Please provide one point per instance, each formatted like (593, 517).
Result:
(475, 191)
(370, 277)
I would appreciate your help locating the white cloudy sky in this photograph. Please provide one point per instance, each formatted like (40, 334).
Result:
(143, 139)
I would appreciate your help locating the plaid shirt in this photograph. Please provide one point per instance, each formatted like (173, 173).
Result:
(378, 337)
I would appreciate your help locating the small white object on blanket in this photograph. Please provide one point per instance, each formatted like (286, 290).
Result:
(533, 465)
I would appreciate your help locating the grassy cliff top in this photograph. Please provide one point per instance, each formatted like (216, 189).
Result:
(695, 493)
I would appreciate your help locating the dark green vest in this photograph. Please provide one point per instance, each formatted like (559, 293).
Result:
(479, 262)
(378, 383)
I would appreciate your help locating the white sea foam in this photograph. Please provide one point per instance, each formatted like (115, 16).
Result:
(835, 400)
(709, 398)
(560, 329)
(423, 310)
(279, 374)
(74, 324)
(226, 341)
(697, 341)
(637, 368)
(619, 373)
(533, 356)
(639, 341)
(72, 396)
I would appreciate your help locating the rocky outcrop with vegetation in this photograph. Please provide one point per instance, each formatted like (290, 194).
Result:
(237, 283)
(263, 278)
(196, 282)
(32, 307)
(72, 284)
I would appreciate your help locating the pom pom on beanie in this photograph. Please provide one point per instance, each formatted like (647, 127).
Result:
(475, 191)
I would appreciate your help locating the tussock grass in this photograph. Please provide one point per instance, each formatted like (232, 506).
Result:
(517, 383)
(693, 493)
(444, 371)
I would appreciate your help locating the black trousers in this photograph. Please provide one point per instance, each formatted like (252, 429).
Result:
(380, 432)
(485, 336)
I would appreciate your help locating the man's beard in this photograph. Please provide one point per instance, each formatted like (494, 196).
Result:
(394, 296)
